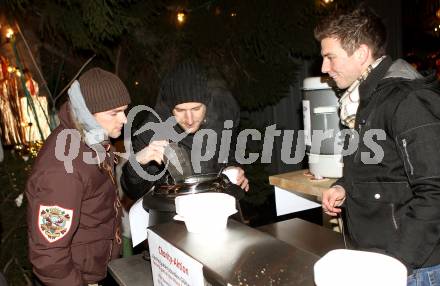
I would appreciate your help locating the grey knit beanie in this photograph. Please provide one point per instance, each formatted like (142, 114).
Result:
(103, 90)
(187, 82)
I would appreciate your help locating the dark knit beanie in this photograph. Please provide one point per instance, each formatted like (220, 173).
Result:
(187, 82)
(103, 90)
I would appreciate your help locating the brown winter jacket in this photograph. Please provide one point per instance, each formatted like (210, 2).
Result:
(73, 214)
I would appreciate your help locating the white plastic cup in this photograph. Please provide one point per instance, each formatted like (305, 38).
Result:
(232, 174)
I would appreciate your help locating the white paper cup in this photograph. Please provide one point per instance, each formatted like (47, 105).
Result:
(232, 174)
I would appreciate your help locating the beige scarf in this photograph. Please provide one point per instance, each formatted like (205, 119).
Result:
(349, 102)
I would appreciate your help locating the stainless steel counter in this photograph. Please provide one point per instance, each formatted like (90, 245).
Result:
(305, 235)
(242, 255)
(131, 271)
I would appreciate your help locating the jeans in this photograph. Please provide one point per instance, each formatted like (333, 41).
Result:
(429, 276)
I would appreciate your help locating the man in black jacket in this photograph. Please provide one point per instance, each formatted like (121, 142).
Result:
(391, 183)
(196, 104)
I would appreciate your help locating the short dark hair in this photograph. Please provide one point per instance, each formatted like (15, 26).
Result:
(359, 26)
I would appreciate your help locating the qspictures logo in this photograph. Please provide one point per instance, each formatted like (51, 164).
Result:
(208, 143)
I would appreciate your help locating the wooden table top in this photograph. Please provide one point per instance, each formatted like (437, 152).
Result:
(300, 182)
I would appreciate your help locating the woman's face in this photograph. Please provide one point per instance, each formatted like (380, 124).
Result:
(190, 115)
(112, 120)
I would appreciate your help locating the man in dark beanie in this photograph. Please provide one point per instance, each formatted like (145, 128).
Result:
(196, 103)
(73, 207)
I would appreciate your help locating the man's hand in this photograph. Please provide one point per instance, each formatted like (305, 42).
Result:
(153, 152)
(242, 181)
(236, 176)
(332, 199)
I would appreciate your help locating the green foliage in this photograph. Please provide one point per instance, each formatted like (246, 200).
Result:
(89, 25)
(93, 25)
(13, 234)
(255, 43)
(15, 5)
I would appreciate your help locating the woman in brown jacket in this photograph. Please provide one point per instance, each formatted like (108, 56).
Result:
(73, 208)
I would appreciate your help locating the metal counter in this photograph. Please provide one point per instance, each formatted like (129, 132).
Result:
(242, 255)
(131, 271)
(305, 235)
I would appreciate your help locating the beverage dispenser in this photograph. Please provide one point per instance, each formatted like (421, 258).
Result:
(321, 128)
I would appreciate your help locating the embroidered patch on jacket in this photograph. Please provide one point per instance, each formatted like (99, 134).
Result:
(54, 222)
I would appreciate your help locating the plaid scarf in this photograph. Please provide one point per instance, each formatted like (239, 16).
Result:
(349, 101)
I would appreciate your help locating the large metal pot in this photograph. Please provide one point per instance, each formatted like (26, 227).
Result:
(159, 200)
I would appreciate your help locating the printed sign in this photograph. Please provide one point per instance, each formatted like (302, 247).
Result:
(171, 266)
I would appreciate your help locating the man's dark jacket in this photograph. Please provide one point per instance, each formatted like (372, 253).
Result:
(222, 106)
(393, 203)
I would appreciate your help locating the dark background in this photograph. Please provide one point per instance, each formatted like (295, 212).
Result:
(263, 49)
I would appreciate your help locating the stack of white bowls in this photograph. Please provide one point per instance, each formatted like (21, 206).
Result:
(344, 267)
(205, 212)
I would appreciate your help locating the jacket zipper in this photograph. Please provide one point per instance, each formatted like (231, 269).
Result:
(394, 216)
(411, 168)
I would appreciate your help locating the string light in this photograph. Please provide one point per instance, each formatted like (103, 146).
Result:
(233, 14)
(327, 1)
(181, 17)
(17, 71)
(9, 33)
(136, 83)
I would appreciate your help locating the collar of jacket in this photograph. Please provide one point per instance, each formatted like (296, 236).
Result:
(367, 87)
